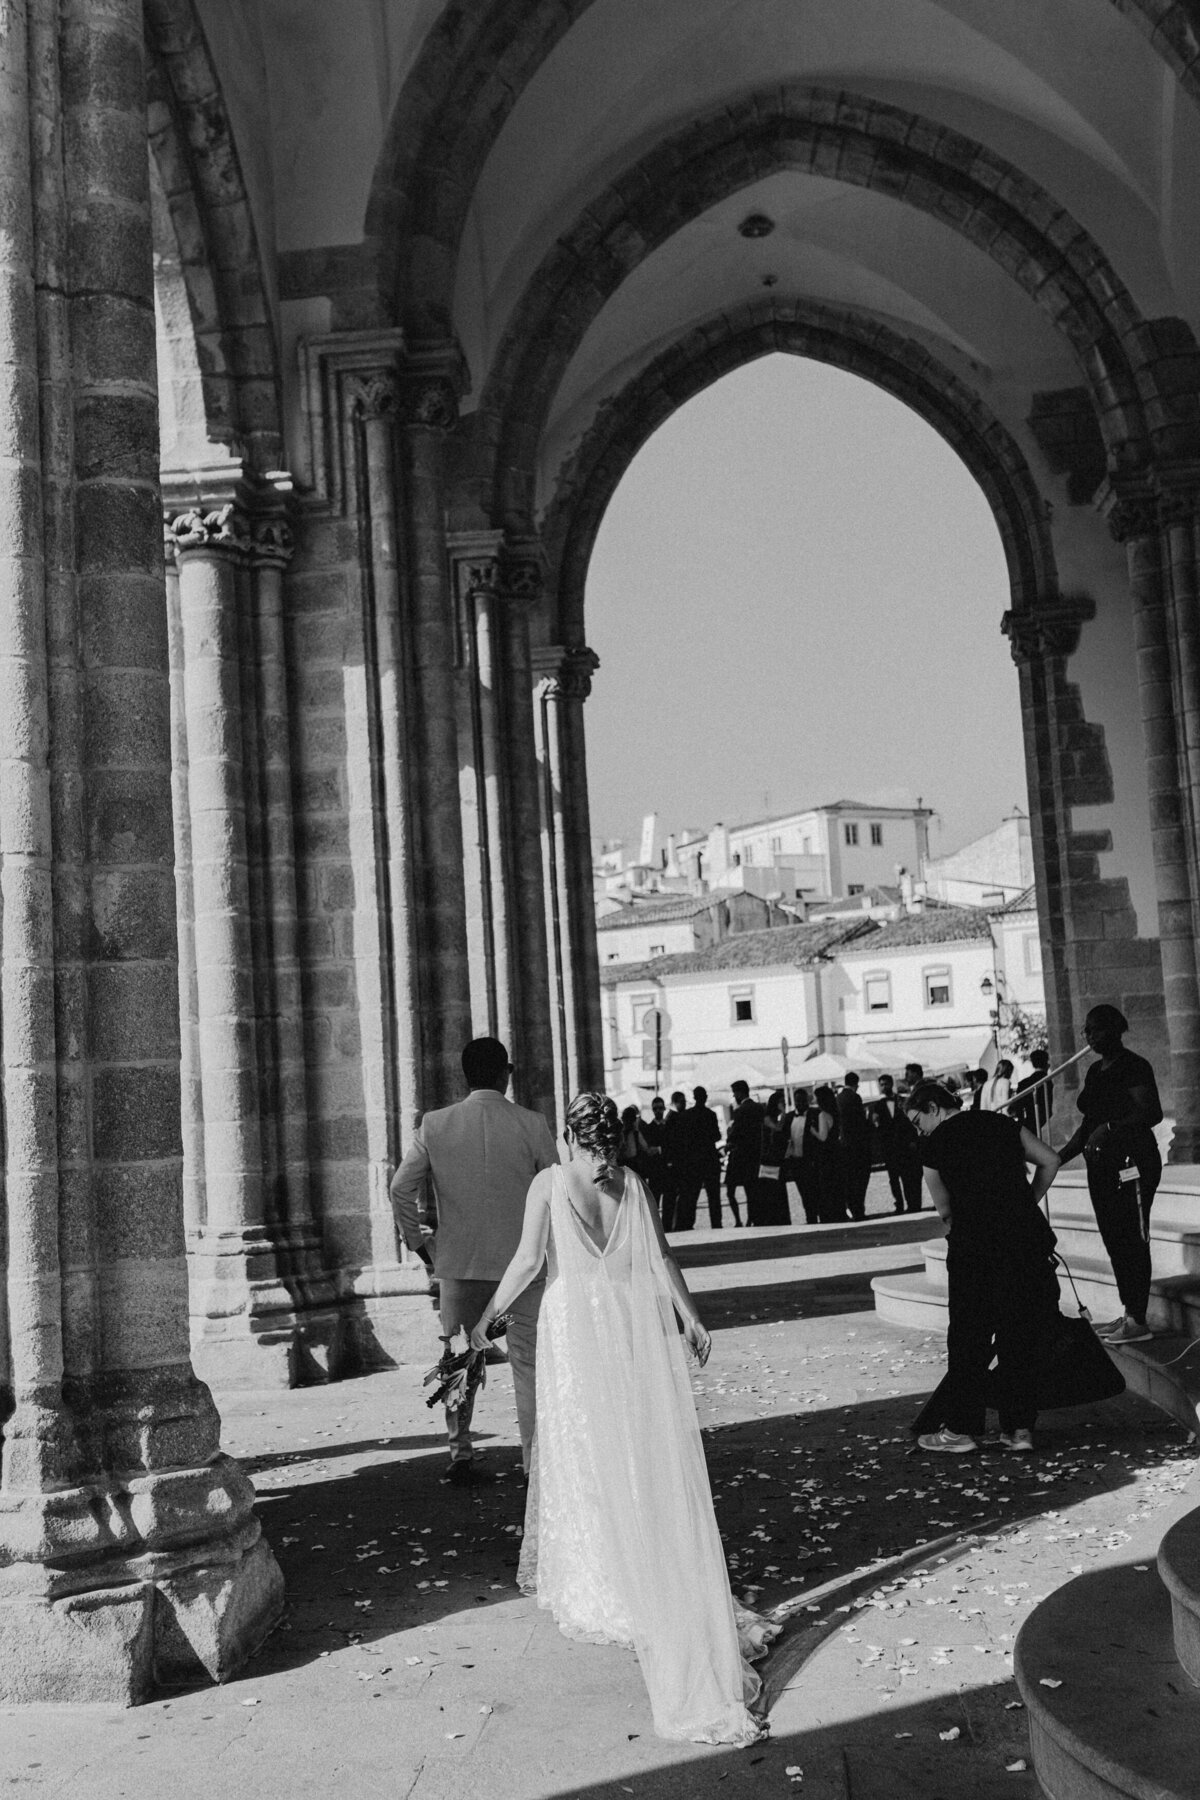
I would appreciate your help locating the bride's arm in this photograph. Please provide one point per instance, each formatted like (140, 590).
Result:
(693, 1327)
(526, 1263)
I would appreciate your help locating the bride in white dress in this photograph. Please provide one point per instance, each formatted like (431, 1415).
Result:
(621, 1543)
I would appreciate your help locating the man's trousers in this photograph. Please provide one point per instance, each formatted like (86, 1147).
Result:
(462, 1304)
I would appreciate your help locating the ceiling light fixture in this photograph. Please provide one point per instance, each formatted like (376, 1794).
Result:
(756, 225)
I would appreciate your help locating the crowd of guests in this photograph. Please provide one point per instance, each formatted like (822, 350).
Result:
(824, 1143)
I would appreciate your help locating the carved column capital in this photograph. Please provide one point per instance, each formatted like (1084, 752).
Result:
(272, 542)
(219, 531)
(435, 377)
(523, 571)
(373, 393)
(1129, 508)
(1049, 630)
(564, 673)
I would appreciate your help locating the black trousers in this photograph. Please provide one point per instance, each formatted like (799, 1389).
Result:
(692, 1183)
(1122, 1210)
(808, 1182)
(996, 1309)
(858, 1179)
(904, 1179)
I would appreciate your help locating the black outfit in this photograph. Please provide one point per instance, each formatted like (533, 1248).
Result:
(900, 1143)
(1034, 1113)
(654, 1173)
(856, 1150)
(674, 1134)
(805, 1173)
(773, 1208)
(700, 1168)
(998, 1264)
(829, 1162)
(743, 1143)
(1122, 1208)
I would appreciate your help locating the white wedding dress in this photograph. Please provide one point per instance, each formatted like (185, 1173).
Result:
(621, 1542)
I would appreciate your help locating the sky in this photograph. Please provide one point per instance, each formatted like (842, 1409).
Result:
(796, 596)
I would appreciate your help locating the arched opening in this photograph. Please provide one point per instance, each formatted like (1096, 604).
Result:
(806, 709)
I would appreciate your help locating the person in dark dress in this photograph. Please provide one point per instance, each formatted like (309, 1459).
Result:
(652, 1134)
(701, 1164)
(1002, 1285)
(898, 1146)
(1120, 1107)
(674, 1134)
(773, 1208)
(825, 1144)
(743, 1147)
(856, 1146)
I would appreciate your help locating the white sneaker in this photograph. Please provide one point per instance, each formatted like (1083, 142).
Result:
(957, 1443)
(1021, 1441)
(1128, 1332)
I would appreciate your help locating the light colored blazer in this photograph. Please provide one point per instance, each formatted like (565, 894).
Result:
(482, 1154)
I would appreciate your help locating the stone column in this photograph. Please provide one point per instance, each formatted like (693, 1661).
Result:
(533, 1043)
(430, 411)
(475, 573)
(1165, 632)
(129, 1547)
(565, 683)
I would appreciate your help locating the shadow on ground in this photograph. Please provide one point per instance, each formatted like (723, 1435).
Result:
(801, 1499)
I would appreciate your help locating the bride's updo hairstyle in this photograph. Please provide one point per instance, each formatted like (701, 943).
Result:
(595, 1124)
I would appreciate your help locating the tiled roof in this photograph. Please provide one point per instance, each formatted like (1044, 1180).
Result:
(856, 903)
(800, 945)
(655, 912)
(938, 925)
(1024, 903)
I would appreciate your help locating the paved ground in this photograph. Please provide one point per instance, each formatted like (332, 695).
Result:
(408, 1667)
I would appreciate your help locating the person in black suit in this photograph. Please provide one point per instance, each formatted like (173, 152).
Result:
(700, 1165)
(674, 1144)
(1034, 1113)
(743, 1147)
(857, 1145)
(900, 1147)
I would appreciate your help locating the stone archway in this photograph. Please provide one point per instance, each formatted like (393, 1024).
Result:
(465, 84)
(217, 248)
(1067, 765)
(842, 137)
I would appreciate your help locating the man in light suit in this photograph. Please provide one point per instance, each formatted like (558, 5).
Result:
(481, 1155)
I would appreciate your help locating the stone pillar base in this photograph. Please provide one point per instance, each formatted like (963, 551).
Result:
(384, 1331)
(264, 1313)
(114, 1631)
(270, 1350)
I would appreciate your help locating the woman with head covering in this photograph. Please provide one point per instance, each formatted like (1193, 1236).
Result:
(1120, 1106)
(621, 1542)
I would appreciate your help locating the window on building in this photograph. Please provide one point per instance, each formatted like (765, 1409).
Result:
(877, 835)
(851, 832)
(1033, 953)
(776, 846)
(741, 1006)
(937, 987)
(855, 887)
(658, 949)
(992, 897)
(877, 992)
(614, 956)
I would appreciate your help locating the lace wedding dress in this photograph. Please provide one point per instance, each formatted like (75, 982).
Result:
(620, 1542)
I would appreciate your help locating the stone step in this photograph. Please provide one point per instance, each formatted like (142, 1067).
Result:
(909, 1299)
(1124, 1723)
(1179, 1567)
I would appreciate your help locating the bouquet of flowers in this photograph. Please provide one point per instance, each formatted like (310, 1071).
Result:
(459, 1374)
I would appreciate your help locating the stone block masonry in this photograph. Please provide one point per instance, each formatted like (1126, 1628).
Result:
(130, 1552)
